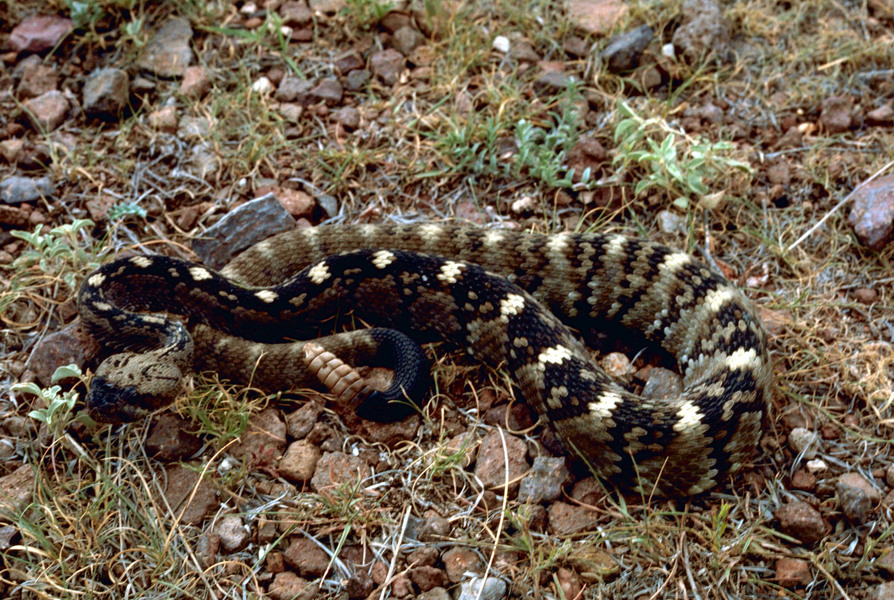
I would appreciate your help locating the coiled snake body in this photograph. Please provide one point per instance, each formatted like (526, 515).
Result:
(493, 293)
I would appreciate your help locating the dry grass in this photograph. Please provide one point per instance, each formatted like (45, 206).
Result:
(97, 525)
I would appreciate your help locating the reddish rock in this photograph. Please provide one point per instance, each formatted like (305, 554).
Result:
(327, 7)
(296, 202)
(13, 217)
(39, 33)
(12, 150)
(858, 481)
(164, 119)
(391, 434)
(306, 557)
(301, 421)
(299, 462)
(349, 62)
(387, 65)
(425, 556)
(883, 115)
(570, 583)
(335, 469)
(587, 153)
(427, 578)
(295, 14)
(491, 468)
(515, 417)
(866, 295)
(47, 111)
(348, 117)
(836, 114)
(15, 489)
(168, 53)
(406, 39)
(459, 561)
(106, 93)
(328, 91)
(71, 344)
(264, 439)
(597, 17)
(433, 526)
(195, 83)
(804, 480)
(702, 31)
(234, 535)
(172, 438)
(883, 591)
(567, 519)
(37, 79)
(588, 491)
(856, 496)
(188, 494)
(801, 521)
(543, 483)
(99, 206)
(396, 19)
(207, 548)
(872, 214)
(288, 586)
(793, 572)
(885, 562)
(293, 89)
(275, 561)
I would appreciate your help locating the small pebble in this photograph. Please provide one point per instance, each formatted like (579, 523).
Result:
(817, 465)
(803, 441)
(262, 86)
(501, 44)
(865, 295)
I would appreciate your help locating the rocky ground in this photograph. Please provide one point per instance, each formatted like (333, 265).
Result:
(756, 134)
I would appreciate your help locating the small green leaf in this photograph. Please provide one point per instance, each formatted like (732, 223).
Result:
(66, 372)
(27, 388)
(38, 416)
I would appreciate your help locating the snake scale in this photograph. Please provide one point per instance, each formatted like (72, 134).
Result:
(492, 292)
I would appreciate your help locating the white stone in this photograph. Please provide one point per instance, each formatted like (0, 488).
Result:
(817, 465)
(262, 86)
(803, 441)
(501, 44)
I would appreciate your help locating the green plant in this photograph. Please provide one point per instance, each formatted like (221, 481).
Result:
(57, 253)
(58, 405)
(46, 273)
(368, 12)
(473, 147)
(85, 14)
(690, 168)
(543, 152)
(478, 146)
(720, 520)
(123, 209)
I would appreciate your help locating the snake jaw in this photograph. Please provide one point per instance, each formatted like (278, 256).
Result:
(129, 386)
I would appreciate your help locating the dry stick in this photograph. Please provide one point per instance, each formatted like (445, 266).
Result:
(839, 205)
(499, 532)
(395, 553)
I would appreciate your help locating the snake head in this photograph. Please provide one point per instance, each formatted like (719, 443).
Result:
(129, 386)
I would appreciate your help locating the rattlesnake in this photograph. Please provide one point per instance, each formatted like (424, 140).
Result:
(492, 292)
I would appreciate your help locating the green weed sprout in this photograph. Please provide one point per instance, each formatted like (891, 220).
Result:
(685, 170)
